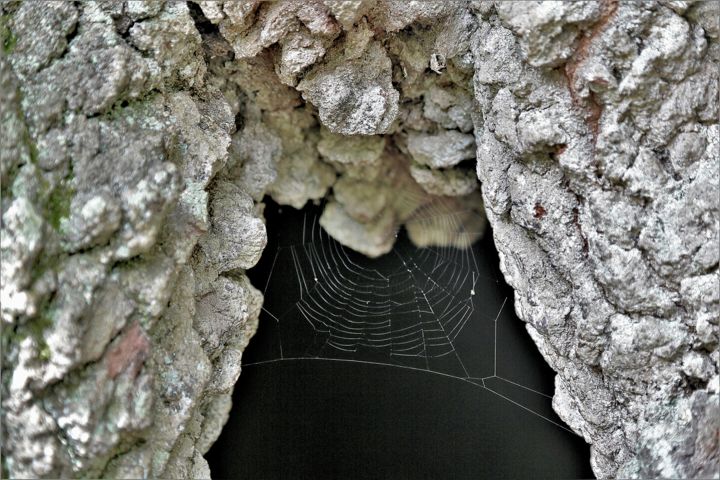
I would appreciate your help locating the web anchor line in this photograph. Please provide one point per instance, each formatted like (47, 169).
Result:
(495, 341)
(470, 381)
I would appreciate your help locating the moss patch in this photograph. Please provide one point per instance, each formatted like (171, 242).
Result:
(59, 200)
(58, 204)
(8, 38)
(37, 327)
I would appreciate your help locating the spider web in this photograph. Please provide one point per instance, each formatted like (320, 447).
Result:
(414, 308)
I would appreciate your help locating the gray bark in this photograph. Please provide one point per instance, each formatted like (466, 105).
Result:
(139, 139)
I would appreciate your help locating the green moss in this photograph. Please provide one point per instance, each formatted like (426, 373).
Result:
(35, 328)
(58, 204)
(9, 40)
(45, 353)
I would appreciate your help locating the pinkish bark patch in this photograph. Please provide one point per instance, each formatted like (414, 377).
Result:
(130, 351)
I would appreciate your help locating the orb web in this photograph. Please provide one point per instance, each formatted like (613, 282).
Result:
(415, 308)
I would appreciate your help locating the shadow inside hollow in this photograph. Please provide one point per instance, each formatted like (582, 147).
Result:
(366, 414)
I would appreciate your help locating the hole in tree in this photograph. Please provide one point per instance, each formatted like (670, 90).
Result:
(411, 365)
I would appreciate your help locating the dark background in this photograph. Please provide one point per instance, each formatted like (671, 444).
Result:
(323, 419)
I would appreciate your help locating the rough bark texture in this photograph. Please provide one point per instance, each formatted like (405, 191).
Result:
(139, 139)
(598, 152)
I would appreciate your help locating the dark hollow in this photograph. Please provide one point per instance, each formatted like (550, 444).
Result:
(320, 419)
